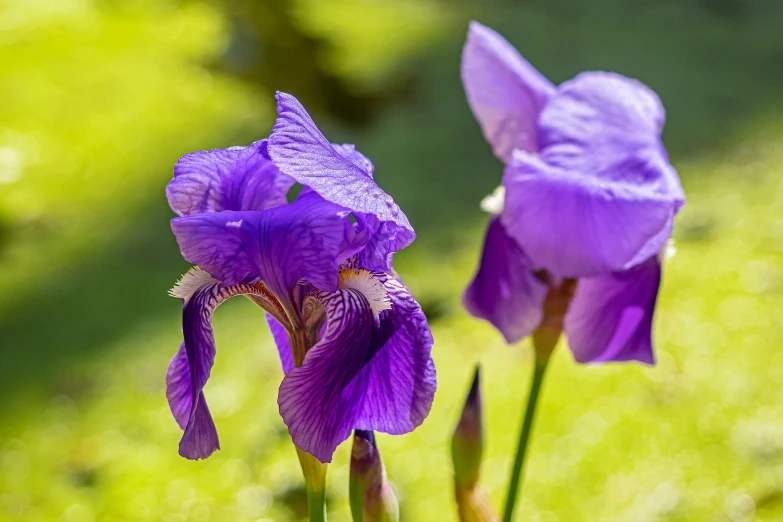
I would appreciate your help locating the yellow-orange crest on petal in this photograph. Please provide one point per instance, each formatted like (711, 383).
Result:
(363, 282)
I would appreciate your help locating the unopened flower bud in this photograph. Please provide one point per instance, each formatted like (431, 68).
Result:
(380, 503)
(371, 496)
(467, 446)
(467, 443)
(474, 505)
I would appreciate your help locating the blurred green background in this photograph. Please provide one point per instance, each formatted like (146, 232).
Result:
(99, 98)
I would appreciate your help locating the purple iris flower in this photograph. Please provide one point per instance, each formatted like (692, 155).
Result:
(588, 194)
(354, 344)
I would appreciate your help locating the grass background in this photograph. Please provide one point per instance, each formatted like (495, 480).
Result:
(98, 100)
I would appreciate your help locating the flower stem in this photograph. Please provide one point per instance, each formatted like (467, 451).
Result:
(315, 484)
(514, 484)
(316, 506)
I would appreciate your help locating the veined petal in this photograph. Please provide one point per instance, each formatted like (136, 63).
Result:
(356, 235)
(318, 414)
(575, 225)
(179, 392)
(280, 246)
(339, 175)
(237, 178)
(191, 366)
(363, 374)
(505, 92)
(399, 382)
(505, 291)
(610, 317)
(349, 152)
(382, 242)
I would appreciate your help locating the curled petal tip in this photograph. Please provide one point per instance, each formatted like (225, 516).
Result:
(474, 26)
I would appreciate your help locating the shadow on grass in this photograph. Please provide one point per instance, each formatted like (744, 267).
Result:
(76, 313)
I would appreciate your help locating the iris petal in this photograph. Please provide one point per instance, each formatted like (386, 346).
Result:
(339, 175)
(191, 366)
(610, 318)
(575, 225)
(383, 240)
(349, 152)
(401, 376)
(280, 246)
(178, 389)
(608, 127)
(601, 195)
(505, 92)
(280, 336)
(363, 374)
(505, 291)
(238, 178)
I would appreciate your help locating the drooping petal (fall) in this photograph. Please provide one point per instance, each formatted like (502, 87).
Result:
(610, 317)
(178, 388)
(401, 375)
(364, 373)
(505, 92)
(191, 366)
(505, 291)
(337, 173)
(237, 178)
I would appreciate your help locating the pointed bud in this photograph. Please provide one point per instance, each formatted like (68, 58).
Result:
(371, 496)
(475, 506)
(467, 446)
(467, 443)
(314, 472)
(364, 456)
(380, 503)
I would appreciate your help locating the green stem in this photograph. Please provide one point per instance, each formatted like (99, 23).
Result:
(316, 506)
(514, 484)
(315, 483)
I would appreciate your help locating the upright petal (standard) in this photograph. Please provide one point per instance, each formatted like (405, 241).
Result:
(338, 174)
(504, 91)
(237, 178)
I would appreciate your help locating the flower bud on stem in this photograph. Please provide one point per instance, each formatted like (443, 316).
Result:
(371, 496)
(467, 446)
